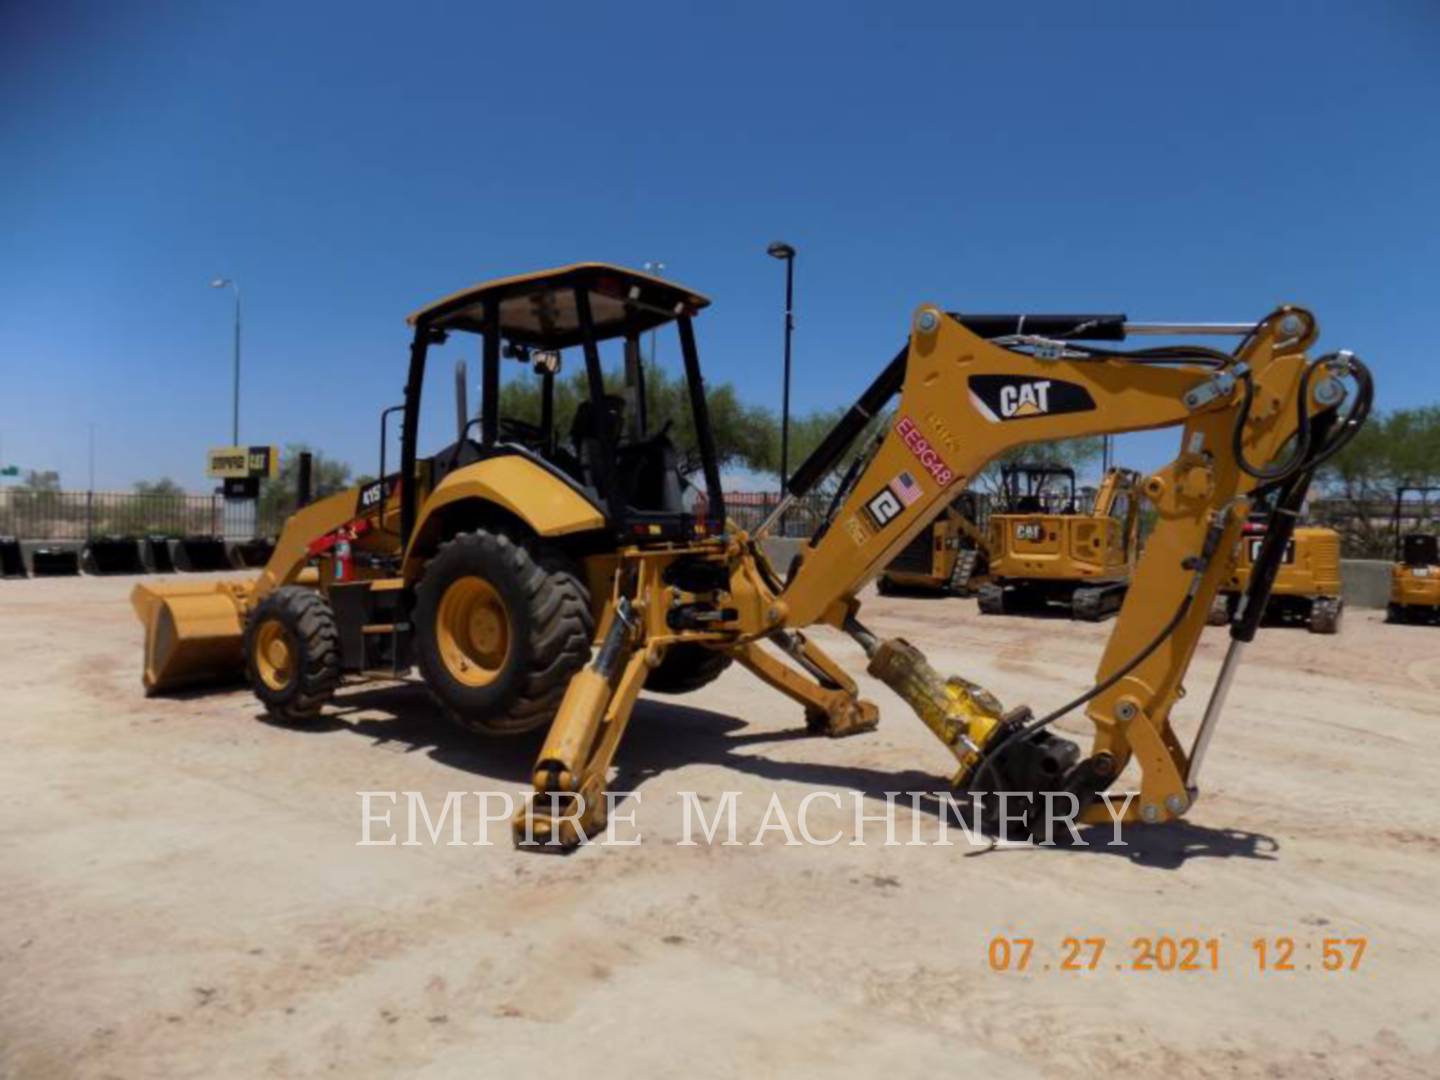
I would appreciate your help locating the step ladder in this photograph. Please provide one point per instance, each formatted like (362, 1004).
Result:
(963, 570)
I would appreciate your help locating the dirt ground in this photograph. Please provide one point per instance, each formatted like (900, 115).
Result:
(184, 894)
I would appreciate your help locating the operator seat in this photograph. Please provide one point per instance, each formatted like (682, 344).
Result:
(588, 436)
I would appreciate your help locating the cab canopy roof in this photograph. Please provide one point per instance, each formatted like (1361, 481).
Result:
(539, 309)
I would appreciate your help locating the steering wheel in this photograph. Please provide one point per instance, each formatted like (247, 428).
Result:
(515, 430)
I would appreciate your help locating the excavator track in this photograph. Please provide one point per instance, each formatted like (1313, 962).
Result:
(1325, 614)
(1091, 603)
(991, 598)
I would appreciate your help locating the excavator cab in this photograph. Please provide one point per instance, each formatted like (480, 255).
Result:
(1415, 576)
(1047, 549)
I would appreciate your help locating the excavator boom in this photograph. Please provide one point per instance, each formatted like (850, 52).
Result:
(965, 400)
(1255, 421)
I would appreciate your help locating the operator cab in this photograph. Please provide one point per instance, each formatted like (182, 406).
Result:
(606, 450)
(1032, 488)
(1419, 546)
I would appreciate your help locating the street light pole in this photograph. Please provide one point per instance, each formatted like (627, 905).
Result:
(220, 283)
(783, 251)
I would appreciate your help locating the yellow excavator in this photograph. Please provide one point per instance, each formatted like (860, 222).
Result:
(1415, 577)
(1307, 585)
(1045, 549)
(495, 564)
(950, 557)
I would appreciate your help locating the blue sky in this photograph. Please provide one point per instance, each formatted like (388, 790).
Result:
(349, 162)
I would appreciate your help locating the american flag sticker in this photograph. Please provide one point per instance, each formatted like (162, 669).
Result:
(905, 488)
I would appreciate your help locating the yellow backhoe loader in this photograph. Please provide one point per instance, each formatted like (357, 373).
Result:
(1415, 577)
(950, 557)
(1307, 585)
(1045, 549)
(494, 564)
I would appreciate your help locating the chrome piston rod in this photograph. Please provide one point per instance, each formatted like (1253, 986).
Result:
(1185, 328)
(1212, 712)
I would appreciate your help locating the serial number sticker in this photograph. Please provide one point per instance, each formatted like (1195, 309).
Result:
(925, 453)
(1171, 953)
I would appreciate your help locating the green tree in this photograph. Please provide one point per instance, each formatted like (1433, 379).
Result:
(161, 489)
(278, 493)
(1067, 453)
(1355, 490)
(38, 481)
(37, 505)
(744, 434)
(157, 506)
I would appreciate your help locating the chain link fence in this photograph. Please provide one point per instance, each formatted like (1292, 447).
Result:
(30, 514)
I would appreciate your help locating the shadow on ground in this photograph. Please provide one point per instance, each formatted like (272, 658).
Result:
(665, 735)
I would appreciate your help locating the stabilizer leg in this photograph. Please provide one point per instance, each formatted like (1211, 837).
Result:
(831, 698)
(568, 805)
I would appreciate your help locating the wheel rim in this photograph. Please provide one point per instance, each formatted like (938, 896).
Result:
(275, 653)
(472, 628)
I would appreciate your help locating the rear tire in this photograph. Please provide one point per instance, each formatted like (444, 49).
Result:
(500, 631)
(1396, 613)
(292, 654)
(685, 667)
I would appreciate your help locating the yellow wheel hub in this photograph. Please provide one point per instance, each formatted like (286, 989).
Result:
(275, 655)
(472, 628)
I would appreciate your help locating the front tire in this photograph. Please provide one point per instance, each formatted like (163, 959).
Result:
(292, 654)
(500, 631)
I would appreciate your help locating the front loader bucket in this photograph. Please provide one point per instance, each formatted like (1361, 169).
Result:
(193, 633)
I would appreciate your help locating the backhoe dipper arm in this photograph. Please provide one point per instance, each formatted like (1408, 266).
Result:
(965, 400)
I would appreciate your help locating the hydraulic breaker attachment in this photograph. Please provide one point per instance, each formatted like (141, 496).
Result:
(970, 720)
(193, 633)
(961, 714)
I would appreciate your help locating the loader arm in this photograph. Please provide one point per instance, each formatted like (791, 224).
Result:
(965, 400)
